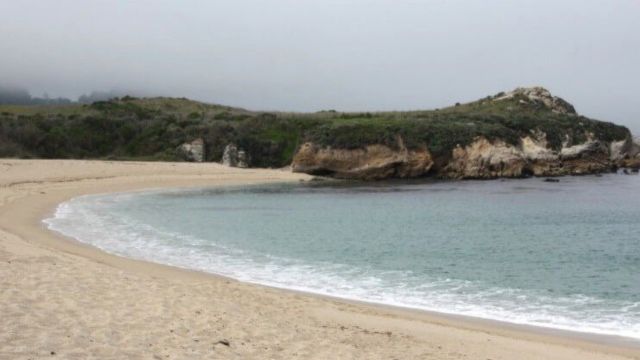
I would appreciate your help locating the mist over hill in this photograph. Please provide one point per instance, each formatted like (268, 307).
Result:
(10, 95)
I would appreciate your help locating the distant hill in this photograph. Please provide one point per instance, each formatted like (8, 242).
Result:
(20, 96)
(17, 96)
(156, 129)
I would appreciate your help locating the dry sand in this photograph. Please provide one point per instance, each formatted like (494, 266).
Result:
(66, 300)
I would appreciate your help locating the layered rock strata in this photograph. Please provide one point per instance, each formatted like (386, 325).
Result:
(373, 162)
(482, 159)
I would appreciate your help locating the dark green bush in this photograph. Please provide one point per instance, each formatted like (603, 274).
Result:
(153, 129)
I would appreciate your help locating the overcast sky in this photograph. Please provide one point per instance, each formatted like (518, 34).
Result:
(325, 54)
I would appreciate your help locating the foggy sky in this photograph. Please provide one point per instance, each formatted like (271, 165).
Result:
(305, 55)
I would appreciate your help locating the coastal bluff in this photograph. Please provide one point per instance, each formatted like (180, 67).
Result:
(532, 154)
(482, 159)
(520, 133)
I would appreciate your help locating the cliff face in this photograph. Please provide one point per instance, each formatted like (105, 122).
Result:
(531, 154)
(370, 163)
(482, 159)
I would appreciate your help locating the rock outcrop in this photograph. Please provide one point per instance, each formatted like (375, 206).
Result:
(193, 151)
(631, 155)
(235, 157)
(539, 95)
(590, 157)
(370, 163)
(482, 159)
(602, 148)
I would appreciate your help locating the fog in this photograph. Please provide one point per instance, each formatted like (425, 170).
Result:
(304, 55)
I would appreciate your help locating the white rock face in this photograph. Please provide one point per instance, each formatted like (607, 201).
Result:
(575, 151)
(490, 159)
(535, 147)
(481, 159)
(634, 150)
(485, 159)
(619, 149)
(194, 151)
(243, 159)
(234, 157)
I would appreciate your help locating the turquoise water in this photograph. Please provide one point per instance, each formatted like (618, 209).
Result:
(563, 255)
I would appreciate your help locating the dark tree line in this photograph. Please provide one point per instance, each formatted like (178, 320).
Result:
(18, 96)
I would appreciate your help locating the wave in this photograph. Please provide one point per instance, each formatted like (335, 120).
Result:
(91, 219)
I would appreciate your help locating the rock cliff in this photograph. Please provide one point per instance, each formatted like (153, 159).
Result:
(530, 154)
(372, 162)
(527, 131)
(482, 159)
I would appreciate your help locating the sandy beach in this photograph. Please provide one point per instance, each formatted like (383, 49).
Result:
(66, 300)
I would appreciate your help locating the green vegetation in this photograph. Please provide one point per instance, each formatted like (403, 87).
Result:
(154, 128)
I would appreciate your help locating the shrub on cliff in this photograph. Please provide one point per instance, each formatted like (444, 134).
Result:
(132, 128)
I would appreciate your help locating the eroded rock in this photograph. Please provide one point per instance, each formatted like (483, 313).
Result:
(235, 157)
(369, 163)
(483, 159)
(193, 151)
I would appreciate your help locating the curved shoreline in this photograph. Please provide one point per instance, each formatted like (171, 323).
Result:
(25, 203)
(594, 336)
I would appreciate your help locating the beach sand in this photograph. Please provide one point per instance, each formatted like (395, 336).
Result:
(62, 299)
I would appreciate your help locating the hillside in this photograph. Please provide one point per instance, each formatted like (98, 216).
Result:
(328, 142)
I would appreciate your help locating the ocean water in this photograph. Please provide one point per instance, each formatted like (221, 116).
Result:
(562, 255)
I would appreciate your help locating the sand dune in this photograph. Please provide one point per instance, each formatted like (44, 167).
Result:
(62, 299)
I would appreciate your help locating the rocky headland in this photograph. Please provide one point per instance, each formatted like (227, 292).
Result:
(521, 133)
(483, 158)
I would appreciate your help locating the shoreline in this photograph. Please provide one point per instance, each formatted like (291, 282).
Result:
(39, 197)
(598, 338)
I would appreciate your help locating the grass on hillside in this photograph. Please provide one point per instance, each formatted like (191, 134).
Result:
(153, 128)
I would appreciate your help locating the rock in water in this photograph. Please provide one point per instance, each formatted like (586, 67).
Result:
(235, 157)
(193, 151)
